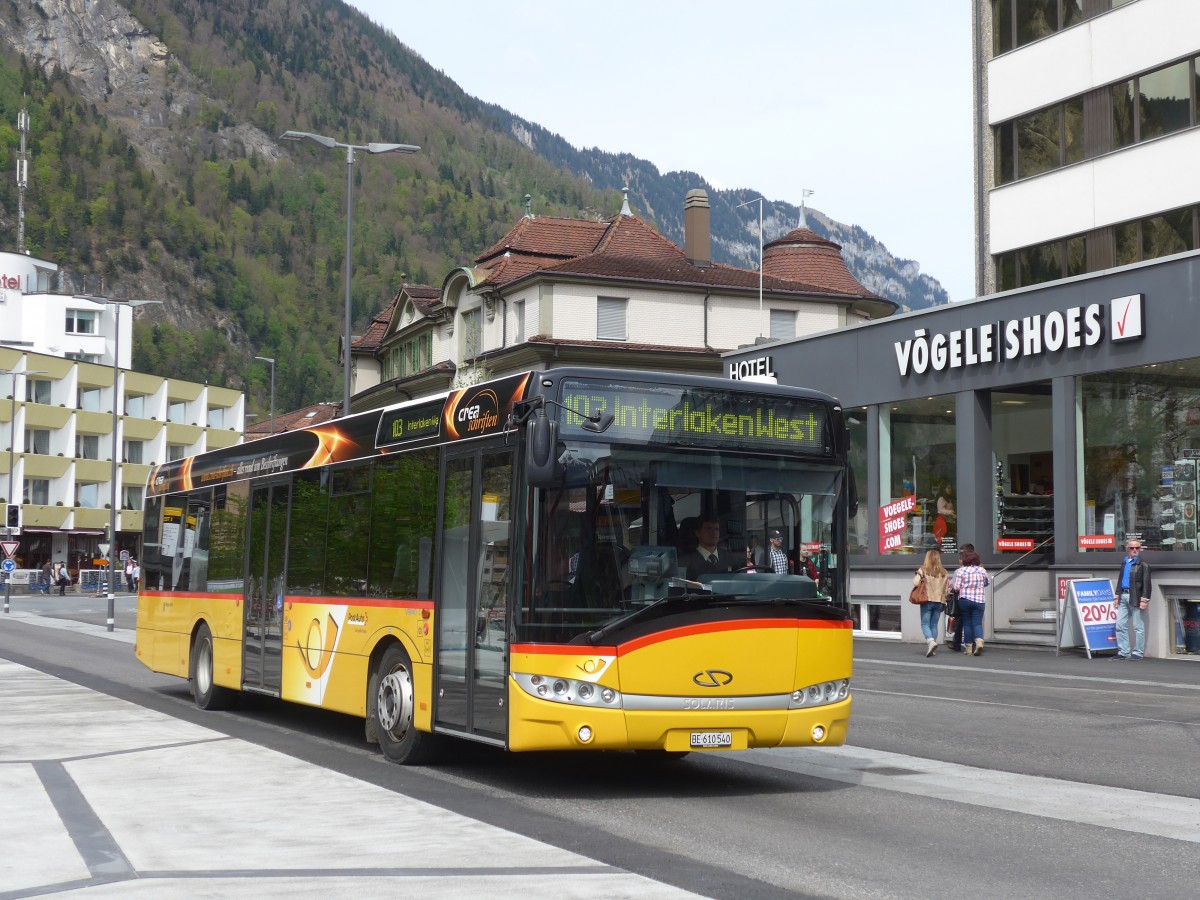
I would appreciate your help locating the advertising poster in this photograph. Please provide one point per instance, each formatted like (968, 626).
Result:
(1091, 620)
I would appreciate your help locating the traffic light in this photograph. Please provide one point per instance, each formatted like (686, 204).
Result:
(13, 519)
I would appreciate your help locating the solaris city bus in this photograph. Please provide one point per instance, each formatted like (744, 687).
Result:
(504, 563)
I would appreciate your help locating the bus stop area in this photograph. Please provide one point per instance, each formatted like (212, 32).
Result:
(109, 798)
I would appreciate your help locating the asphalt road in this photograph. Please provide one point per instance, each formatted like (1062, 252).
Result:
(1016, 774)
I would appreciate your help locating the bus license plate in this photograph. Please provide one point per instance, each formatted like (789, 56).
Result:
(712, 738)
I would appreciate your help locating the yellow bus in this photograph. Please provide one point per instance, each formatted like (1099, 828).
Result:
(575, 559)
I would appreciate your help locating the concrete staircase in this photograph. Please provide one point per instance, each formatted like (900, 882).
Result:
(1035, 627)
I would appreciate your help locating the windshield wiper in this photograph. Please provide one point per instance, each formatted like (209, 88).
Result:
(690, 596)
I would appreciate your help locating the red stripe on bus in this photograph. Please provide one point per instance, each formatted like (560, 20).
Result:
(719, 627)
(670, 634)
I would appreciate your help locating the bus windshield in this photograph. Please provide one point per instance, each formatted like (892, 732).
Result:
(632, 524)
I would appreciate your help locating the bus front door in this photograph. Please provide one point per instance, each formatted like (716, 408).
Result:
(473, 596)
(262, 616)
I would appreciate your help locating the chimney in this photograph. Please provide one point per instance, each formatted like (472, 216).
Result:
(696, 233)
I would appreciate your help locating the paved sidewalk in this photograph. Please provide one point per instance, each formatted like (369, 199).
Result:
(103, 798)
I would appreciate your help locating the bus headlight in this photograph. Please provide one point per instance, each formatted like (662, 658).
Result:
(820, 694)
(568, 690)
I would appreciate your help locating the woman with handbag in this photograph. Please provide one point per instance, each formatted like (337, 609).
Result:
(971, 580)
(936, 580)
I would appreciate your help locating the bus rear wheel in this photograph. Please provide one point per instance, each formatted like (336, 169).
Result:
(393, 709)
(206, 693)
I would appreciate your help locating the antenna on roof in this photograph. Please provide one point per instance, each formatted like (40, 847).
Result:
(805, 193)
(529, 206)
(625, 210)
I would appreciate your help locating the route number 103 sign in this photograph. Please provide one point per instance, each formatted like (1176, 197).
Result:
(1090, 617)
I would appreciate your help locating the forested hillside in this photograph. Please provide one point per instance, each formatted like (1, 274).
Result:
(156, 173)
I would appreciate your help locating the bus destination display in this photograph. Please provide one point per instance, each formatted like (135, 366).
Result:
(646, 413)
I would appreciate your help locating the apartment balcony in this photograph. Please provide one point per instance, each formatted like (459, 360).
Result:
(47, 466)
(141, 429)
(89, 421)
(218, 440)
(93, 469)
(45, 516)
(86, 517)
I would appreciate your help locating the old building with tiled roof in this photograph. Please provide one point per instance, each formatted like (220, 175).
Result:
(557, 291)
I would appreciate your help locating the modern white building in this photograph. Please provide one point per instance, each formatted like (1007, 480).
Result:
(1086, 137)
(1055, 418)
(57, 422)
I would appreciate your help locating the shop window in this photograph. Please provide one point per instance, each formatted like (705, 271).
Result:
(861, 525)
(918, 456)
(1023, 463)
(1141, 456)
(1186, 626)
(876, 616)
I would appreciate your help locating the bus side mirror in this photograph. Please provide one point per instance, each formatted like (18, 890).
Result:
(542, 468)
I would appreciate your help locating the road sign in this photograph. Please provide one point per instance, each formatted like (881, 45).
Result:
(103, 549)
(10, 548)
(8, 565)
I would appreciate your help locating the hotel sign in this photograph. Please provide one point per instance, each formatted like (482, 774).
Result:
(1030, 336)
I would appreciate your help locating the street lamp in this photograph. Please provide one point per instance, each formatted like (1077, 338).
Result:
(329, 143)
(12, 443)
(112, 506)
(759, 201)
(272, 362)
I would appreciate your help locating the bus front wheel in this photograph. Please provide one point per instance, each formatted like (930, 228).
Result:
(393, 709)
(206, 693)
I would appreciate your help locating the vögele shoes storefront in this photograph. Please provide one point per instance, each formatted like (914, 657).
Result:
(1046, 426)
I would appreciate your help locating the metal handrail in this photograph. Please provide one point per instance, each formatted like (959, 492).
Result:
(992, 585)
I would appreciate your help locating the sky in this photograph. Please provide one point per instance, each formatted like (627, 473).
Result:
(866, 103)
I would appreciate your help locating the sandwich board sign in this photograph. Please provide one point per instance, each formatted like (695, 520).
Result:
(1090, 619)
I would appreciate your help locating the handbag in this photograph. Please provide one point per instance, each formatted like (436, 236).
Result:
(952, 604)
(919, 594)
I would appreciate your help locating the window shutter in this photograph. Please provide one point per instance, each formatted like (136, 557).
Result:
(610, 318)
(783, 324)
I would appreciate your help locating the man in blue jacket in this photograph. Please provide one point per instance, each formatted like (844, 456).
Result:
(1132, 599)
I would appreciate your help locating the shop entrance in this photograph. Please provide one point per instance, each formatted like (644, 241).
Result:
(1023, 467)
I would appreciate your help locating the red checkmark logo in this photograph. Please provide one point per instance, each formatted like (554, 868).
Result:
(1121, 324)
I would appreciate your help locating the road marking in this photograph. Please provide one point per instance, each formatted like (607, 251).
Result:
(1140, 812)
(1018, 674)
(1049, 709)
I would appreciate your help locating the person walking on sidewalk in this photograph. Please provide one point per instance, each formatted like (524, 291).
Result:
(1131, 601)
(971, 580)
(129, 564)
(937, 582)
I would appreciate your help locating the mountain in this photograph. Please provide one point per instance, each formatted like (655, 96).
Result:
(155, 172)
(734, 227)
